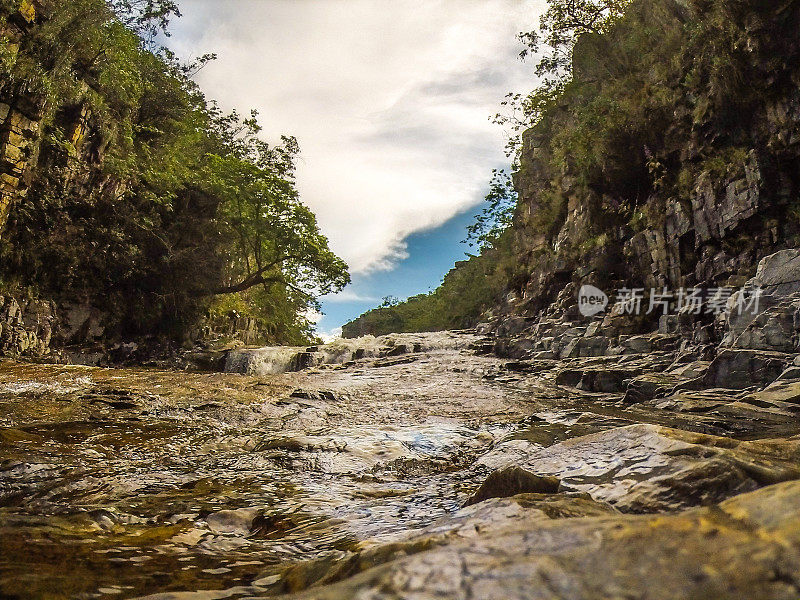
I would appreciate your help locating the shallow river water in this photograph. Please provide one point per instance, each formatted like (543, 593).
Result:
(136, 483)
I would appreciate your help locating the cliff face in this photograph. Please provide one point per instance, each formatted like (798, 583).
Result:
(28, 117)
(130, 203)
(672, 159)
(20, 114)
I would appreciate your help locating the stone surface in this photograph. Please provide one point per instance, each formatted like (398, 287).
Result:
(27, 327)
(646, 468)
(740, 369)
(335, 480)
(747, 547)
(512, 481)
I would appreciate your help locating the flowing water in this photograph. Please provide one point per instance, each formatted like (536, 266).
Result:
(120, 483)
(128, 483)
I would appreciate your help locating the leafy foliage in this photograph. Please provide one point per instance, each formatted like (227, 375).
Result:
(147, 201)
(147, 18)
(560, 26)
(496, 215)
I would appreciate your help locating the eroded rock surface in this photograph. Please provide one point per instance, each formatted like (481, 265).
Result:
(585, 476)
(595, 461)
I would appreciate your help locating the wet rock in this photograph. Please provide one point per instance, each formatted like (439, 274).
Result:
(694, 402)
(647, 468)
(239, 521)
(649, 386)
(739, 369)
(117, 404)
(206, 360)
(302, 443)
(530, 367)
(483, 348)
(396, 350)
(522, 554)
(390, 362)
(303, 360)
(319, 395)
(512, 481)
(469, 523)
(779, 394)
(263, 361)
(607, 380)
(507, 453)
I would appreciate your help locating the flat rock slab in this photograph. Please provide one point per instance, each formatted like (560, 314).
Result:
(746, 547)
(647, 468)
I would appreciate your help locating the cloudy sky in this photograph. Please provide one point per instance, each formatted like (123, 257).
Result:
(390, 101)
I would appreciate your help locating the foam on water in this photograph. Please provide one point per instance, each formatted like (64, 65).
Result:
(280, 359)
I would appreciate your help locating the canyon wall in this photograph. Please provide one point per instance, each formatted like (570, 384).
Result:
(671, 160)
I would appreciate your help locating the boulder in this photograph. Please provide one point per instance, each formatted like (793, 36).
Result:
(779, 273)
(774, 321)
(779, 394)
(648, 468)
(774, 327)
(511, 481)
(739, 369)
(512, 549)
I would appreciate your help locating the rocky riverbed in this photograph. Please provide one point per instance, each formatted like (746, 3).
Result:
(417, 466)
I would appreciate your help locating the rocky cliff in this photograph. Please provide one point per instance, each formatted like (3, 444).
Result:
(19, 121)
(663, 165)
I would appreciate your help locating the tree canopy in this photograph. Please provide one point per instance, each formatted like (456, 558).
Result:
(147, 200)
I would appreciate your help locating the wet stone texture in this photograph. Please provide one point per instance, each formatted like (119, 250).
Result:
(427, 471)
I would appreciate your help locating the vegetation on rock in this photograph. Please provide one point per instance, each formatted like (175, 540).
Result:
(138, 195)
(647, 156)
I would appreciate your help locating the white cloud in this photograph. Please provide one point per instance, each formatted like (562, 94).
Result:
(348, 295)
(313, 316)
(389, 100)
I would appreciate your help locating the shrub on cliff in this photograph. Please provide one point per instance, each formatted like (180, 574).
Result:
(145, 199)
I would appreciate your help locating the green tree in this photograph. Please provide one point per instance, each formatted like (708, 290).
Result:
(276, 239)
(147, 18)
(497, 214)
(146, 201)
(560, 26)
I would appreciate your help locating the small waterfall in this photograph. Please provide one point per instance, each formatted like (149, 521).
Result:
(267, 361)
(272, 360)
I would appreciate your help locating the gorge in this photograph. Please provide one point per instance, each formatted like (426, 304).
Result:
(170, 437)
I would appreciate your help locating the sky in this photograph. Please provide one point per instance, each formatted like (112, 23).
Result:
(390, 101)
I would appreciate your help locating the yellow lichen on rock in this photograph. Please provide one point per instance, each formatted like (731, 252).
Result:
(5, 207)
(27, 10)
